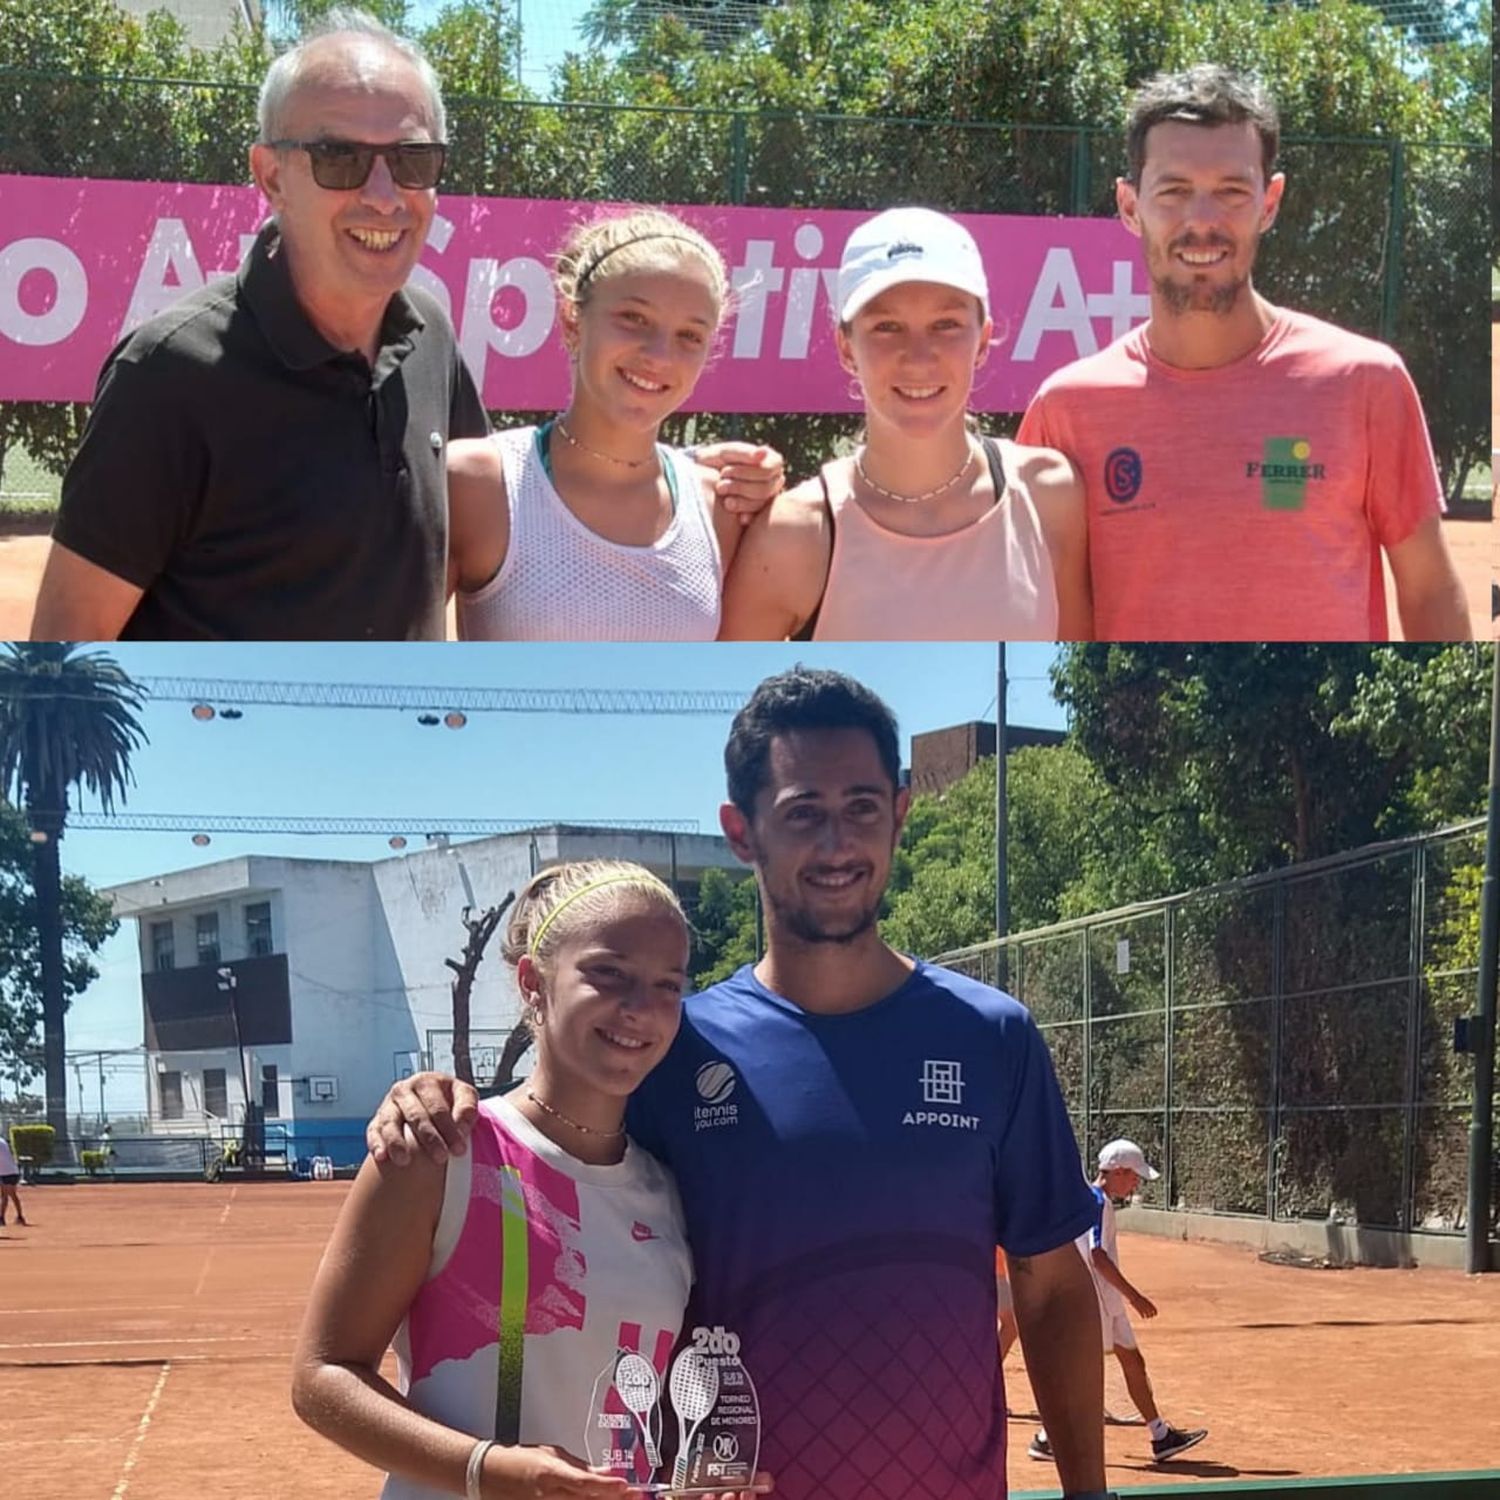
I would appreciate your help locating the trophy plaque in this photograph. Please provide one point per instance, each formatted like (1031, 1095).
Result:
(715, 1419)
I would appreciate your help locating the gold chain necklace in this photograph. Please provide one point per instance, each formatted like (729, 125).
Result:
(859, 468)
(609, 458)
(557, 1114)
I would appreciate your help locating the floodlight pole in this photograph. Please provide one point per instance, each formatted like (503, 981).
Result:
(1479, 1033)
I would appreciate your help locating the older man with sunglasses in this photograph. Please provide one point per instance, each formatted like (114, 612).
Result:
(265, 459)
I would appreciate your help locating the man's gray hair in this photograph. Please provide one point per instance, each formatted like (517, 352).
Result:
(281, 77)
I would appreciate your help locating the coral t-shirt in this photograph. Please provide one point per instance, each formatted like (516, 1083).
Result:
(1246, 502)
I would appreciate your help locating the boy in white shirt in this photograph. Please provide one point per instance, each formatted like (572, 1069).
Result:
(1122, 1169)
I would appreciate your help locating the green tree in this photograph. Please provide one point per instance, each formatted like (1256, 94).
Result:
(612, 23)
(87, 921)
(942, 890)
(723, 921)
(1227, 760)
(289, 18)
(66, 721)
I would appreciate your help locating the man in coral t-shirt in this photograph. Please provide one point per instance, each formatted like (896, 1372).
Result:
(1245, 465)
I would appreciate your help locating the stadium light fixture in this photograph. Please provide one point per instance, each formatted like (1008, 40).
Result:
(203, 712)
(455, 718)
(231, 713)
(202, 840)
(396, 841)
(428, 720)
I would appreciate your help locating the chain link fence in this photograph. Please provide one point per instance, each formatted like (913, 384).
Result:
(1279, 1046)
(1389, 238)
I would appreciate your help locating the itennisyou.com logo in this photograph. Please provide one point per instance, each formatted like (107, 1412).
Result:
(1285, 469)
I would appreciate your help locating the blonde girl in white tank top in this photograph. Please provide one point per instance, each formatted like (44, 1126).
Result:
(925, 532)
(588, 528)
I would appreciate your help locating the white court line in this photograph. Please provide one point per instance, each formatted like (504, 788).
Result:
(140, 1433)
(135, 1304)
(208, 1259)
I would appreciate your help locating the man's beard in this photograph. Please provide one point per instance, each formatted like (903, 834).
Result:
(1184, 297)
(800, 922)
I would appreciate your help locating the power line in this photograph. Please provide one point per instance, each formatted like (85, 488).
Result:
(212, 690)
(147, 822)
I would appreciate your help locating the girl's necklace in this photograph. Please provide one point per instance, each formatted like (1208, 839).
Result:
(557, 1114)
(859, 468)
(609, 458)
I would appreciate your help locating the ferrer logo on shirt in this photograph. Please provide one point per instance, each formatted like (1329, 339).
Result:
(716, 1082)
(942, 1083)
(1284, 471)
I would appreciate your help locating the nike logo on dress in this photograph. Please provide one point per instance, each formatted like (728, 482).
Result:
(639, 1231)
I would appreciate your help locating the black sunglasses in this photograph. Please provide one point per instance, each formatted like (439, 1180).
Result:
(342, 165)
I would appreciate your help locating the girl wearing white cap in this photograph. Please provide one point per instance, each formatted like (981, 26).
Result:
(587, 528)
(927, 531)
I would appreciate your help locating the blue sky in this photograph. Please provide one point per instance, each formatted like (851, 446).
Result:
(366, 763)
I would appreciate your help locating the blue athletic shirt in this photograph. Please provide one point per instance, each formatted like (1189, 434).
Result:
(845, 1180)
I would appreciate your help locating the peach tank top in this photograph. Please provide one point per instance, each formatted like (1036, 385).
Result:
(991, 580)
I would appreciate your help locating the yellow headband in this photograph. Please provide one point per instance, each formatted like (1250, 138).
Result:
(636, 878)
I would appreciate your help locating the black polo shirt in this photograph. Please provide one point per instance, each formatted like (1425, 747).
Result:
(260, 484)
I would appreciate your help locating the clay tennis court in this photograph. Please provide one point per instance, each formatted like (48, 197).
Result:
(146, 1333)
(1475, 546)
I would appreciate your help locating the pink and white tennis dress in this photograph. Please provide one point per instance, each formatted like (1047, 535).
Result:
(543, 1267)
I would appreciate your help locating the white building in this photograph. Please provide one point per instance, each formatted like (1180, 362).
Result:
(207, 22)
(315, 983)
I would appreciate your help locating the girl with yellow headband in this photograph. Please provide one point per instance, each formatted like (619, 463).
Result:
(511, 1276)
(588, 527)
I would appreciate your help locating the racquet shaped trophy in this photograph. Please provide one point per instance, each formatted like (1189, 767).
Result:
(718, 1419)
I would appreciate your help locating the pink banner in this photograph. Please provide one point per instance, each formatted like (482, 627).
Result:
(83, 262)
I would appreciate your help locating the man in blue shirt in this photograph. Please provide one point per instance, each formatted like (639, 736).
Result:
(853, 1131)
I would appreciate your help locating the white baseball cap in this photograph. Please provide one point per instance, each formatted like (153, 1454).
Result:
(1127, 1154)
(909, 244)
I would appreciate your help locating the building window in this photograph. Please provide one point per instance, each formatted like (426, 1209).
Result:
(270, 1090)
(171, 1095)
(163, 949)
(208, 937)
(258, 929)
(215, 1093)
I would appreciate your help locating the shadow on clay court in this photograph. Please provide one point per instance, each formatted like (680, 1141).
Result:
(1372, 1323)
(1202, 1468)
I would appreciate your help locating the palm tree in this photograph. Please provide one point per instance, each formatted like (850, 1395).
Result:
(65, 720)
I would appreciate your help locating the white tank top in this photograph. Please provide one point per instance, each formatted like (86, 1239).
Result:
(991, 580)
(560, 581)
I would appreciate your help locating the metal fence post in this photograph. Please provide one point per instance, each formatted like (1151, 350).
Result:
(1391, 291)
(1273, 1113)
(1083, 171)
(1169, 980)
(739, 158)
(1088, 1044)
(1411, 1114)
(739, 191)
